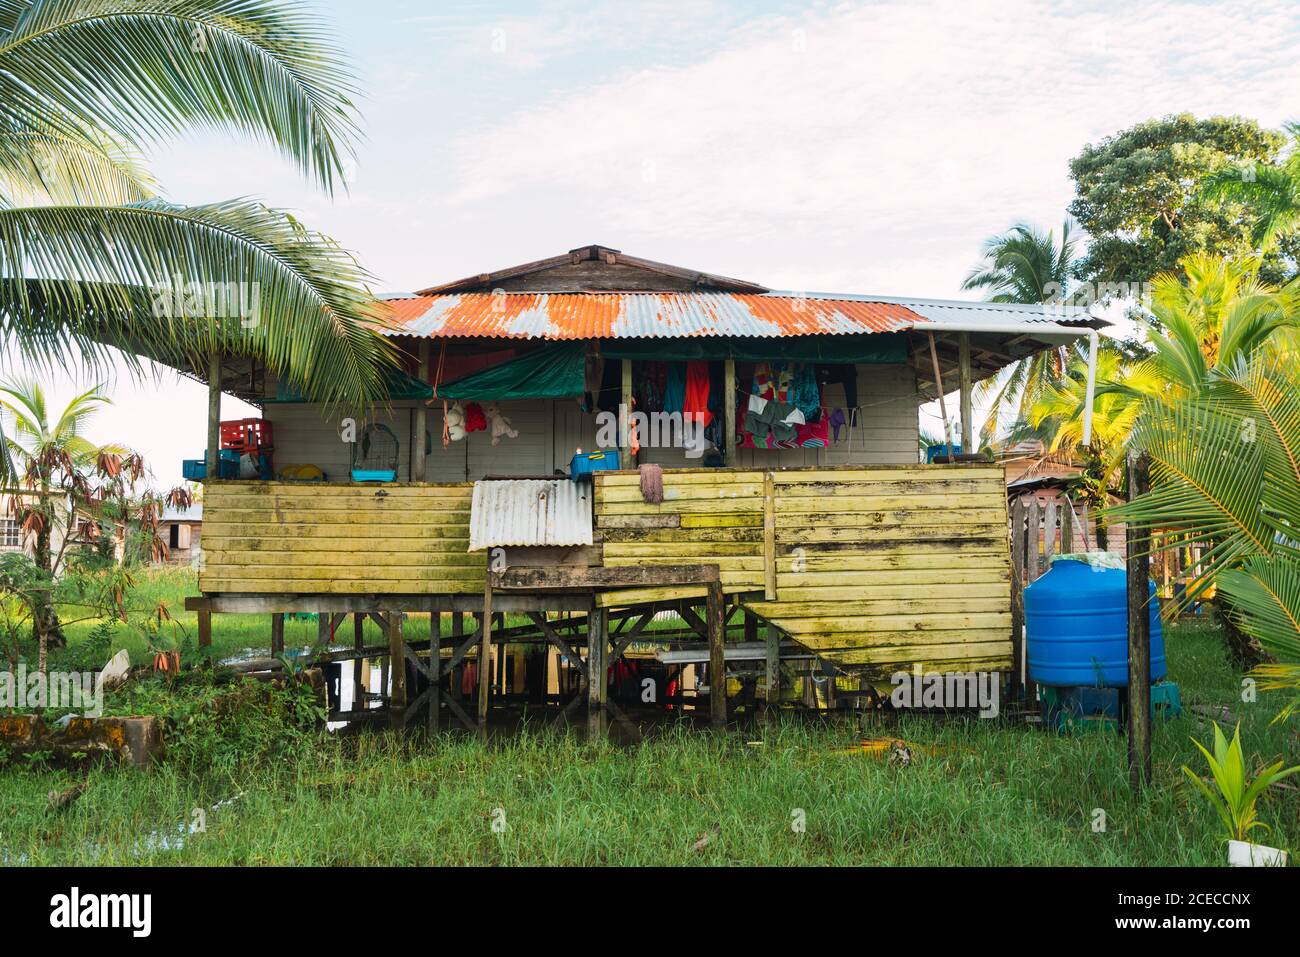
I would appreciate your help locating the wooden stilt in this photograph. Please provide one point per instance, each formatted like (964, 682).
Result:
(277, 634)
(324, 629)
(435, 667)
(773, 667)
(397, 662)
(358, 665)
(1018, 665)
(1139, 634)
(597, 676)
(714, 617)
(485, 658)
(205, 628)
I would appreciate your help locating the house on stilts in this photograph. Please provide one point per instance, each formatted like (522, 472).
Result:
(789, 528)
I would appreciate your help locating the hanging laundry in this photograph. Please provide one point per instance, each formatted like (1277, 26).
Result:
(675, 387)
(805, 392)
(695, 400)
(838, 422)
(475, 420)
(844, 374)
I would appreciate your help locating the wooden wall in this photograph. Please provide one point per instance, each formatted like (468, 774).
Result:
(300, 538)
(551, 430)
(707, 516)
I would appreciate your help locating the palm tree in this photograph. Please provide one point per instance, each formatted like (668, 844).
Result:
(1225, 470)
(54, 460)
(1024, 265)
(88, 249)
(1272, 192)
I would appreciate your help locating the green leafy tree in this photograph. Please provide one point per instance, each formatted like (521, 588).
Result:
(56, 464)
(1272, 193)
(91, 255)
(1023, 265)
(1140, 198)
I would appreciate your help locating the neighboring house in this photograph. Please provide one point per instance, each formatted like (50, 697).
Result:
(181, 529)
(11, 533)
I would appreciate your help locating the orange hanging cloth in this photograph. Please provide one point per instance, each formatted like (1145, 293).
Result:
(695, 404)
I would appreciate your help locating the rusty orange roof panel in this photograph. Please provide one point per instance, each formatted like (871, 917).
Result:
(633, 315)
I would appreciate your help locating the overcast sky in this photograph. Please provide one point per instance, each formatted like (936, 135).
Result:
(845, 147)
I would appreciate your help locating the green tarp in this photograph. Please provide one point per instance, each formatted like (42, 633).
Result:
(552, 372)
(400, 386)
(859, 349)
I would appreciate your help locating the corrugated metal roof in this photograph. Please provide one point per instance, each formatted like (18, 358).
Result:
(634, 315)
(525, 512)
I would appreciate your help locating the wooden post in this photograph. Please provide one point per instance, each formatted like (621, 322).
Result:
(485, 658)
(1019, 666)
(435, 667)
(967, 407)
(324, 628)
(1139, 633)
(214, 412)
(277, 634)
(715, 618)
(625, 409)
(1067, 525)
(205, 628)
(729, 411)
(358, 668)
(1032, 567)
(943, 405)
(597, 669)
(773, 666)
(420, 419)
(397, 665)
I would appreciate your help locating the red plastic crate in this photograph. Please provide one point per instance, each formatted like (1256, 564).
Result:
(246, 435)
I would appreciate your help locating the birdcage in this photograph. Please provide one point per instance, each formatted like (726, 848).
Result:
(374, 455)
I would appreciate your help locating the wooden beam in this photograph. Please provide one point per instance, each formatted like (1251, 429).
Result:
(1139, 633)
(625, 411)
(265, 604)
(277, 634)
(598, 680)
(485, 658)
(772, 661)
(435, 666)
(714, 616)
(397, 663)
(580, 577)
(967, 411)
(769, 536)
(214, 413)
(729, 411)
(943, 406)
(420, 419)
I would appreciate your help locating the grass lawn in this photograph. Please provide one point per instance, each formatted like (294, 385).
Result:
(977, 792)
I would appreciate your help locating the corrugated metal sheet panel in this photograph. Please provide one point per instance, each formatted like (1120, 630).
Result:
(524, 512)
(642, 315)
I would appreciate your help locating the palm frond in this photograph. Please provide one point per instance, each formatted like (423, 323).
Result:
(91, 277)
(47, 167)
(262, 67)
(1265, 596)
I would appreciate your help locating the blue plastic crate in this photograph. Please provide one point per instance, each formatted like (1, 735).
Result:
(196, 470)
(584, 463)
(374, 475)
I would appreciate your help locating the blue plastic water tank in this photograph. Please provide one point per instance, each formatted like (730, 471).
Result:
(1076, 620)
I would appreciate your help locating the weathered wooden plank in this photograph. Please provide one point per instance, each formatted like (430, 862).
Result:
(681, 550)
(620, 535)
(222, 554)
(972, 603)
(867, 501)
(828, 533)
(701, 506)
(411, 573)
(623, 597)
(769, 537)
(865, 624)
(919, 474)
(895, 518)
(852, 594)
(375, 532)
(608, 577)
(337, 586)
(917, 556)
(673, 492)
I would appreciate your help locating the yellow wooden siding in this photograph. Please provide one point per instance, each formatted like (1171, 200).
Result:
(284, 537)
(710, 516)
(891, 568)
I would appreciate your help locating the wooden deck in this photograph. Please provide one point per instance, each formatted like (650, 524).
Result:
(877, 569)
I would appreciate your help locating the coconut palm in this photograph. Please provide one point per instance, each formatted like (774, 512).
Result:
(53, 460)
(1225, 472)
(90, 253)
(1271, 192)
(1024, 265)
